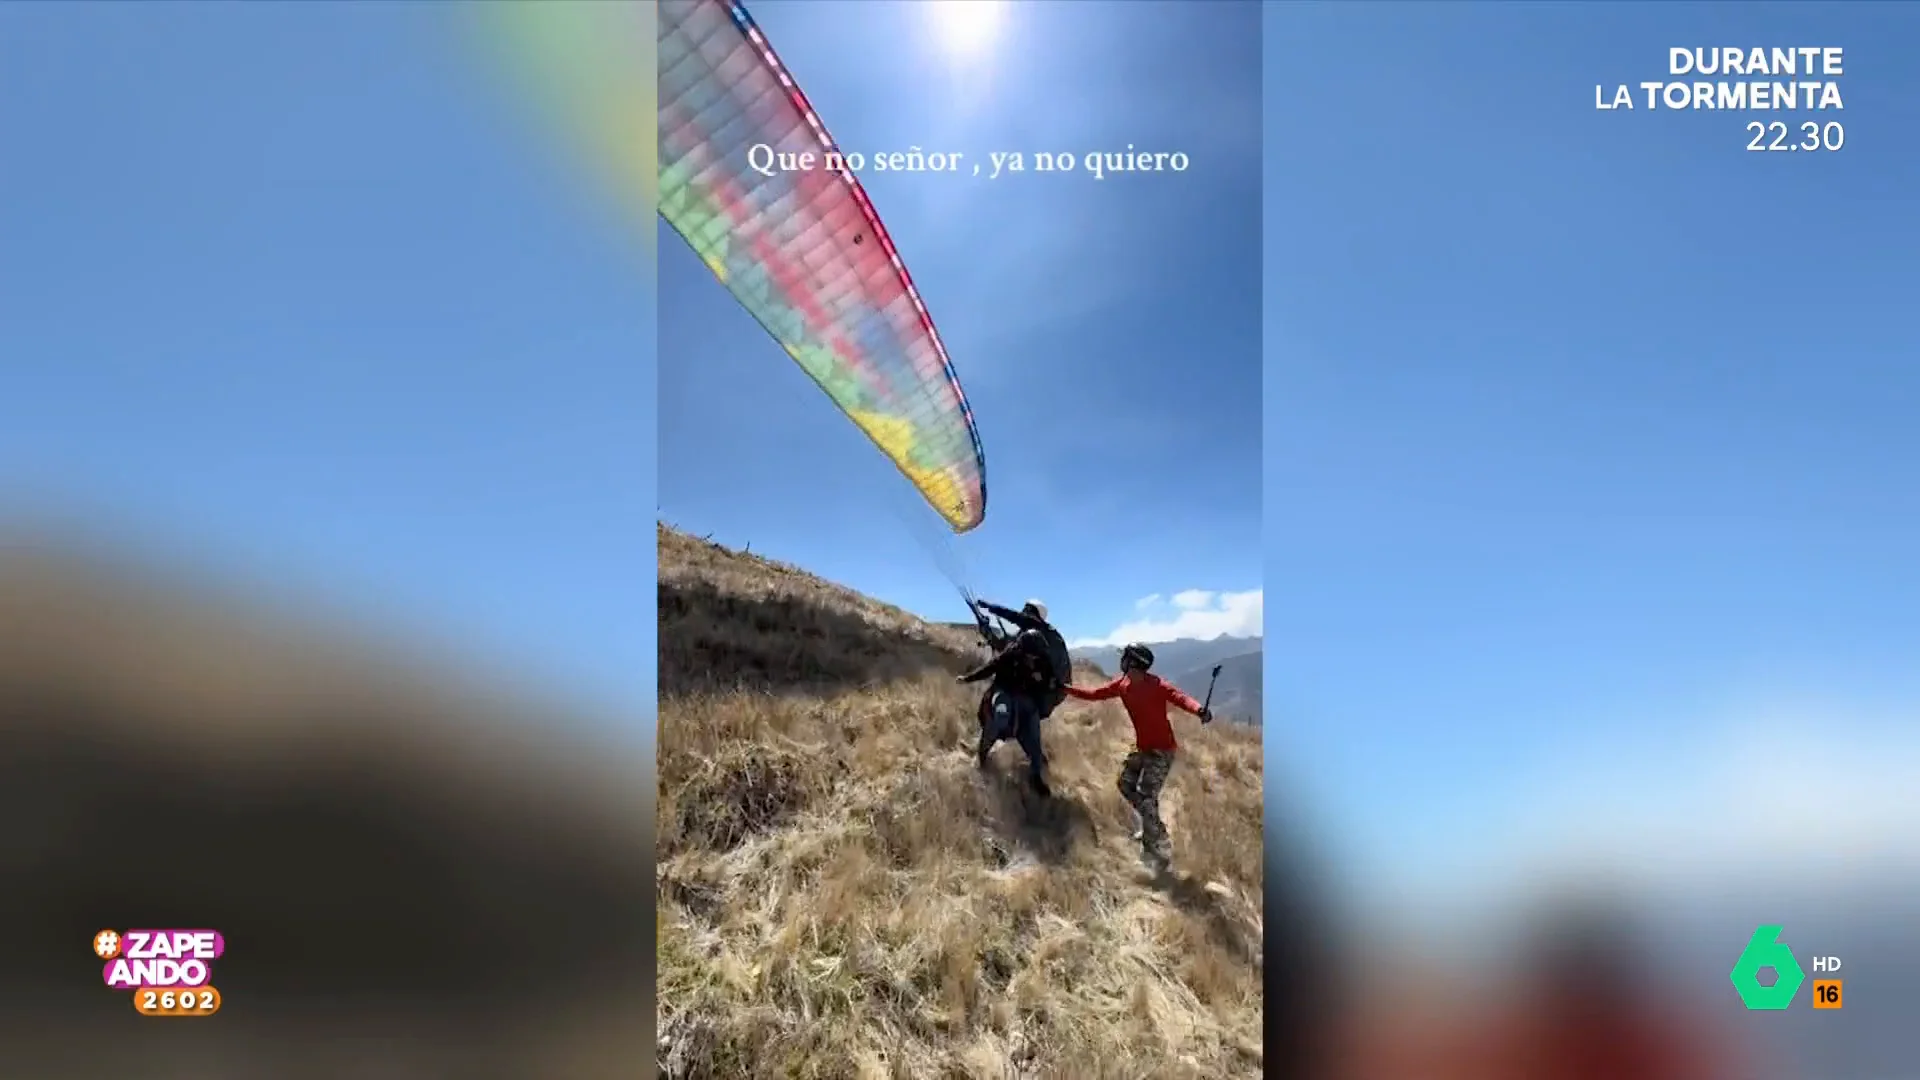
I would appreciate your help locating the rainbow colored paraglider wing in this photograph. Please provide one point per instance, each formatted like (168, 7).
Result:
(805, 252)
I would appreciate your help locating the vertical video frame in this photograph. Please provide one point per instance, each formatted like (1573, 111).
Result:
(960, 608)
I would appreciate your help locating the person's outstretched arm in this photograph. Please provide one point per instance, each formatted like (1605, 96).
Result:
(1182, 700)
(996, 638)
(1018, 618)
(1098, 693)
(985, 670)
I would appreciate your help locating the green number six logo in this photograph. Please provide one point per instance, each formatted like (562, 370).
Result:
(1765, 950)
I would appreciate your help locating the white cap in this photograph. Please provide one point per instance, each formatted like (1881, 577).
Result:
(1038, 608)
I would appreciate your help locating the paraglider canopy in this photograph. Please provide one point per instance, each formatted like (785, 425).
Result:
(751, 180)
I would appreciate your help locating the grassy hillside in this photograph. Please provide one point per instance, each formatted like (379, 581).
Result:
(843, 894)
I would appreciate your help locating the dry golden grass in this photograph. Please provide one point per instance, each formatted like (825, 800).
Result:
(843, 894)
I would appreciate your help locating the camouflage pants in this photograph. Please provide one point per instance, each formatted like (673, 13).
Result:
(1141, 779)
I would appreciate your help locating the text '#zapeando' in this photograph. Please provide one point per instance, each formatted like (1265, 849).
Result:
(158, 959)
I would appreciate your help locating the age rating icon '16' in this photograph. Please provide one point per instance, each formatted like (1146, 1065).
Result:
(167, 970)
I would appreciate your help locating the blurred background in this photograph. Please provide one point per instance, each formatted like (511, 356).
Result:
(326, 547)
(1591, 511)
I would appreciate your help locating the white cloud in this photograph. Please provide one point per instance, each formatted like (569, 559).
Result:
(1196, 613)
(1146, 602)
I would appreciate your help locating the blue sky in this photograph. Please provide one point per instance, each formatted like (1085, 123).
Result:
(1107, 332)
(1592, 470)
(296, 288)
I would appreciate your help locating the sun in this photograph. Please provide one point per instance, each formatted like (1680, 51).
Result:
(966, 28)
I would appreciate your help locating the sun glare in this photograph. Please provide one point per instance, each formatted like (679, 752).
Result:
(966, 28)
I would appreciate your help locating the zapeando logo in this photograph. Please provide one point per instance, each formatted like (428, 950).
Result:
(167, 970)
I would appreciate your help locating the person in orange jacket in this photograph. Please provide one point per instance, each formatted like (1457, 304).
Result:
(1146, 697)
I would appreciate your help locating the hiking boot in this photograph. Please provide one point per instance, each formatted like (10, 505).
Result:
(1040, 785)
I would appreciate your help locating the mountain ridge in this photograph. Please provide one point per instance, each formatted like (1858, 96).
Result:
(1188, 663)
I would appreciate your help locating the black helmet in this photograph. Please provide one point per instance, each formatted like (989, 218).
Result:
(1136, 655)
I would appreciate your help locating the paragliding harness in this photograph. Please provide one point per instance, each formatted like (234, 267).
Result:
(998, 639)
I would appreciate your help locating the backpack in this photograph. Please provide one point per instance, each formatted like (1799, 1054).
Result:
(1055, 666)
